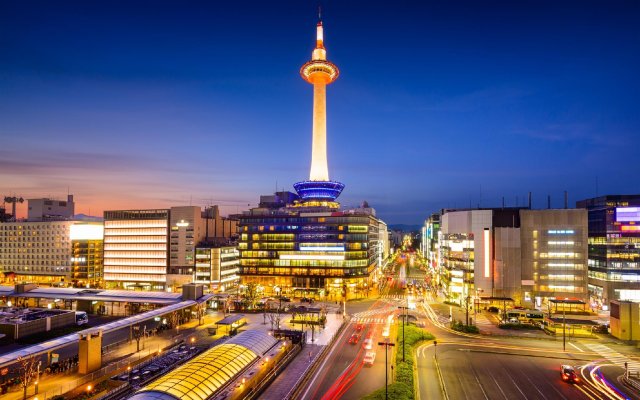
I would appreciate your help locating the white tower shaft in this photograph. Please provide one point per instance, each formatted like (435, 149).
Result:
(319, 167)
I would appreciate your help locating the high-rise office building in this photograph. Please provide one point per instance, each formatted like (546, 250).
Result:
(614, 248)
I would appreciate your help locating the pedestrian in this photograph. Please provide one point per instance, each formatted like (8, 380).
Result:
(309, 356)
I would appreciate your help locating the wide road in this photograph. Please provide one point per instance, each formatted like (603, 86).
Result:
(480, 367)
(342, 375)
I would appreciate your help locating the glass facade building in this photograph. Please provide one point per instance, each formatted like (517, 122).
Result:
(614, 248)
(310, 250)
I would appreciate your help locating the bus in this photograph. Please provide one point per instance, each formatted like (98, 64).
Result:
(81, 318)
(525, 316)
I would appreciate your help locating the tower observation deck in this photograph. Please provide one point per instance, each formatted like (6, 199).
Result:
(319, 72)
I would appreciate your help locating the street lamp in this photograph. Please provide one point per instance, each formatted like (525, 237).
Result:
(404, 310)
(386, 345)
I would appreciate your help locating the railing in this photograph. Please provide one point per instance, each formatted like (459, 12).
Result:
(314, 364)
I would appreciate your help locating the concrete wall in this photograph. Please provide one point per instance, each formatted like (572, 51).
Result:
(625, 320)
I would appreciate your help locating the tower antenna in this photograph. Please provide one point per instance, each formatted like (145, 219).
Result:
(319, 12)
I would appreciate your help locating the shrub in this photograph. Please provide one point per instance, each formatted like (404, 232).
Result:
(460, 327)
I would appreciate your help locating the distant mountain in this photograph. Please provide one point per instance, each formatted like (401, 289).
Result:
(405, 227)
(84, 217)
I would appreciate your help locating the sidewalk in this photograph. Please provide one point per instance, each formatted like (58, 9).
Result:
(284, 383)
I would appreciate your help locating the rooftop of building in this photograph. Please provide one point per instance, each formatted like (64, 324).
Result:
(127, 296)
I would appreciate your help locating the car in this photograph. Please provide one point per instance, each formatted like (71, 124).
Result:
(493, 309)
(569, 374)
(514, 320)
(354, 339)
(385, 331)
(306, 300)
(369, 358)
(359, 327)
(368, 344)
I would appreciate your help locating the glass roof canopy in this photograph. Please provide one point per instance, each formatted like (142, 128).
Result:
(202, 377)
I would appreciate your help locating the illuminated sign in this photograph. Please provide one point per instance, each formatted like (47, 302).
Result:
(310, 257)
(321, 248)
(182, 223)
(86, 232)
(561, 232)
(628, 214)
(630, 228)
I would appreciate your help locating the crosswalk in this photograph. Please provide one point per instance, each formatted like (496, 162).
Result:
(393, 297)
(373, 316)
(364, 320)
(614, 357)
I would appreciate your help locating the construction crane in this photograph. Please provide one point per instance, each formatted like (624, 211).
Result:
(13, 200)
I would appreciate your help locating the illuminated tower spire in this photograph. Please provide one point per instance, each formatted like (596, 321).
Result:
(319, 72)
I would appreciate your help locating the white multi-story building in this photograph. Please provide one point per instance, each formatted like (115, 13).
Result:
(136, 249)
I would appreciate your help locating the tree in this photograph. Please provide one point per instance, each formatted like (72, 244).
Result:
(251, 294)
(274, 315)
(175, 321)
(29, 367)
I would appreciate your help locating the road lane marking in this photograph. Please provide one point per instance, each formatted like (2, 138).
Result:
(576, 347)
(335, 345)
(498, 385)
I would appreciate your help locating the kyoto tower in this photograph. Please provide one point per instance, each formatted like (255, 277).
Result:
(319, 72)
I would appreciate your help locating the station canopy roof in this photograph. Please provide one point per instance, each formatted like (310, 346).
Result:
(125, 296)
(54, 344)
(202, 377)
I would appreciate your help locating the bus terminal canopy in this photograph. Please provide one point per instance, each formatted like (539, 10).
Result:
(230, 320)
(569, 302)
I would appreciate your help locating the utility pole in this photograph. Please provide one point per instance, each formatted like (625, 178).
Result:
(386, 345)
(403, 323)
(466, 306)
(564, 330)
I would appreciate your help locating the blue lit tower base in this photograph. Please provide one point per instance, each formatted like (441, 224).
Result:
(318, 190)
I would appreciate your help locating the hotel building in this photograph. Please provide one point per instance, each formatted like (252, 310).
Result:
(614, 248)
(58, 253)
(315, 251)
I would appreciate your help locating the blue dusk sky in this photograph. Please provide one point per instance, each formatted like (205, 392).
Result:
(142, 104)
